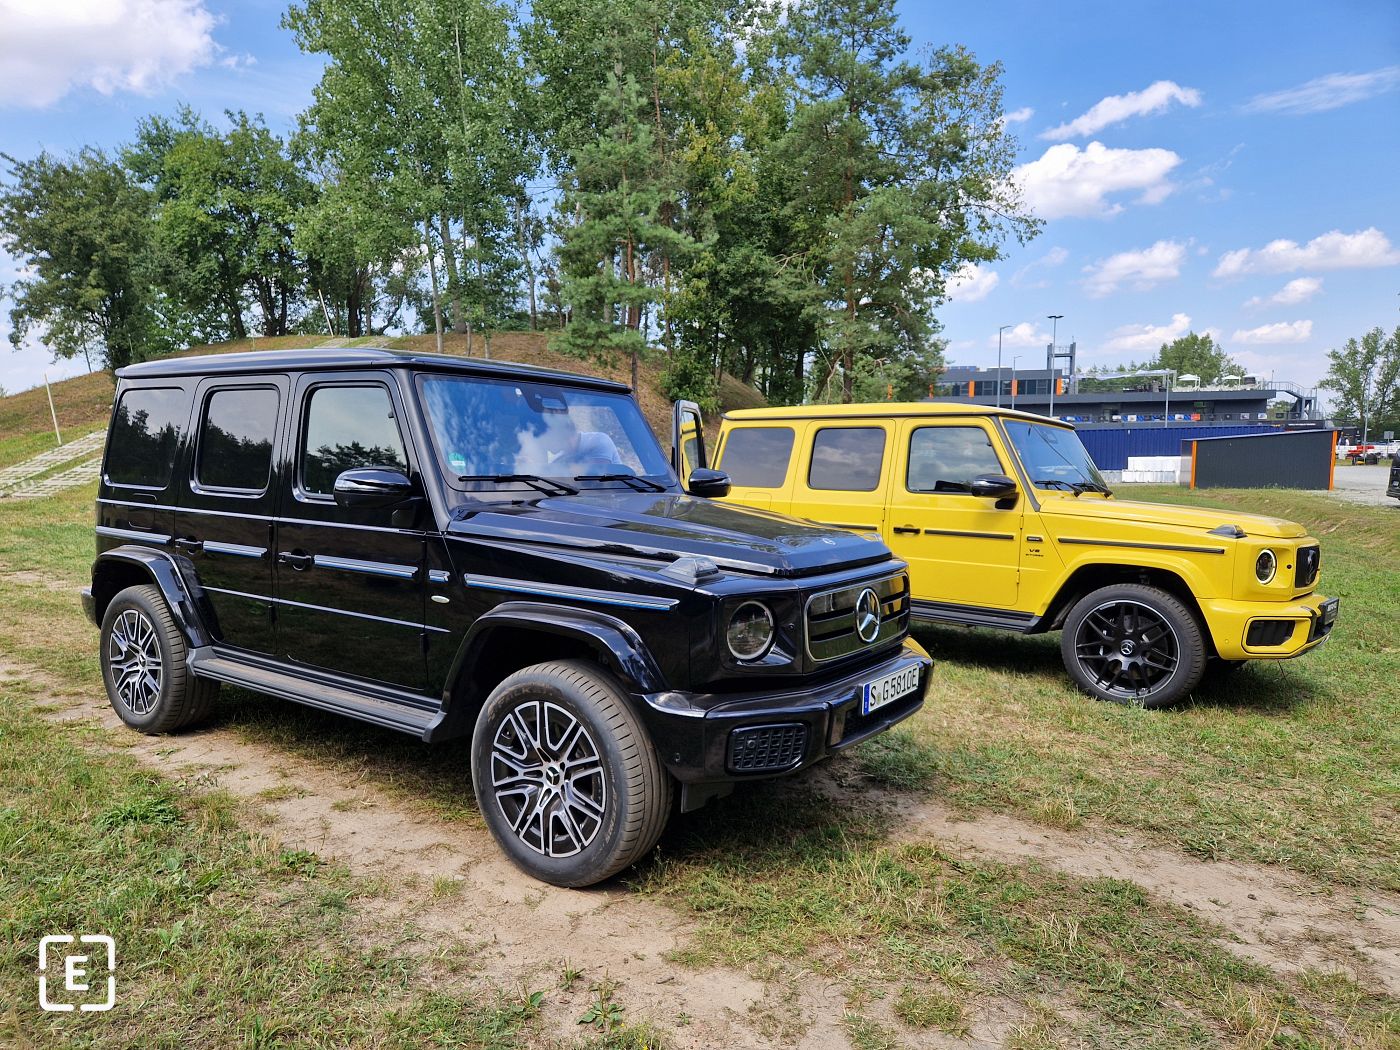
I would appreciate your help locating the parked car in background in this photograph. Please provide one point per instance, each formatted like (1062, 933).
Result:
(1006, 523)
(1393, 489)
(461, 548)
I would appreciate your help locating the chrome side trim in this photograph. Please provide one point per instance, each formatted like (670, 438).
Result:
(369, 568)
(1145, 546)
(973, 535)
(240, 550)
(581, 594)
(324, 609)
(133, 534)
(263, 517)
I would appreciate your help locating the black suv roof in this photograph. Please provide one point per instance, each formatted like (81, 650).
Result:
(313, 359)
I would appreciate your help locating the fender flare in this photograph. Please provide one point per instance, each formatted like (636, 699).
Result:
(163, 571)
(616, 644)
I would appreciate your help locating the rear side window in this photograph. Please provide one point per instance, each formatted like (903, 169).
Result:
(146, 429)
(847, 459)
(235, 439)
(946, 459)
(348, 427)
(757, 457)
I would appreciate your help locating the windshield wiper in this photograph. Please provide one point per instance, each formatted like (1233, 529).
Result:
(1054, 483)
(548, 486)
(1092, 486)
(637, 482)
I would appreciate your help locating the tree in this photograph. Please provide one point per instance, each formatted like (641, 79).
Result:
(82, 230)
(1365, 376)
(1198, 355)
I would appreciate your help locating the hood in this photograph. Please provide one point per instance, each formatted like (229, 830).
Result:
(667, 526)
(1196, 520)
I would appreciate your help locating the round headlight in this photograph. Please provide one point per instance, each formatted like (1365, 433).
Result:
(1265, 566)
(750, 631)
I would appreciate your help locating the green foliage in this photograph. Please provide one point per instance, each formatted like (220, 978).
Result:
(690, 377)
(1198, 355)
(1365, 377)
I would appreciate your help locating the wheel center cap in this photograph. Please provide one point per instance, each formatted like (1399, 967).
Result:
(1128, 647)
(552, 775)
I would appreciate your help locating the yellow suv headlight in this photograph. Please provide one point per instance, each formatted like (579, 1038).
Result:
(1265, 566)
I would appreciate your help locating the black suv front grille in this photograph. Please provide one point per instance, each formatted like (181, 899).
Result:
(765, 749)
(1307, 563)
(833, 629)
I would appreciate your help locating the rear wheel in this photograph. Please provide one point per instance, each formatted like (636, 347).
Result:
(566, 776)
(1133, 644)
(143, 665)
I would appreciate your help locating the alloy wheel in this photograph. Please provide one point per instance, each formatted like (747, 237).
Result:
(1128, 650)
(547, 778)
(133, 654)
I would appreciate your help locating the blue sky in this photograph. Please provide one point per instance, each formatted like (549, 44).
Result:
(1223, 167)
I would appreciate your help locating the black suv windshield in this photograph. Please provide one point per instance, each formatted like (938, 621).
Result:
(493, 434)
(1054, 457)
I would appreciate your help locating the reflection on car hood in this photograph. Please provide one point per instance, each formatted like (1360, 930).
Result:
(667, 526)
(1196, 520)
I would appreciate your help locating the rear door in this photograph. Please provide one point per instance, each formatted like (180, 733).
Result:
(961, 549)
(225, 522)
(350, 583)
(843, 474)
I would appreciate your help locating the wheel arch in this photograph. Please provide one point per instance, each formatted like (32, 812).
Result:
(1088, 578)
(515, 635)
(130, 566)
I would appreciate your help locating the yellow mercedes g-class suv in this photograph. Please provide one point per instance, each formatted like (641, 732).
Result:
(1006, 522)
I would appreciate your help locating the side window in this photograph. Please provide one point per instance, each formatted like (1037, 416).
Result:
(346, 427)
(757, 457)
(946, 459)
(235, 439)
(146, 428)
(847, 458)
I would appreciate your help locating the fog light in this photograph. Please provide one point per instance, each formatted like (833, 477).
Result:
(1265, 566)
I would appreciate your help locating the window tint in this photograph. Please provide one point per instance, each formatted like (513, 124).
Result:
(946, 459)
(235, 439)
(757, 457)
(847, 458)
(346, 427)
(146, 431)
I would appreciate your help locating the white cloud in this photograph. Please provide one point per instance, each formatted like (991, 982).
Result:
(1139, 269)
(1023, 334)
(1298, 290)
(50, 47)
(1018, 116)
(1022, 278)
(1331, 251)
(1273, 334)
(1143, 338)
(1117, 108)
(1330, 92)
(971, 283)
(1068, 181)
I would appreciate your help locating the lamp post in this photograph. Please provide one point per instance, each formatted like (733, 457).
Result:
(1000, 330)
(1013, 379)
(1054, 320)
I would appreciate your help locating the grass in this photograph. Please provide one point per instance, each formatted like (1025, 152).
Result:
(1291, 765)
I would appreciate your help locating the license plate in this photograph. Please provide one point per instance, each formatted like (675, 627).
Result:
(888, 689)
(1329, 610)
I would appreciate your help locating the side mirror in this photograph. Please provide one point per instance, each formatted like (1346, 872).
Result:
(992, 486)
(712, 484)
(365, 488)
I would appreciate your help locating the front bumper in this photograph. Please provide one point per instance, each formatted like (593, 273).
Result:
(692, 732)
(1243, 630)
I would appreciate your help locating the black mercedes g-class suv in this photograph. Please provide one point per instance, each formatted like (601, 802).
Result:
(453, 547)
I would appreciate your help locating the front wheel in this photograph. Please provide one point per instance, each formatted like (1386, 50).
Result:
(566, 776)
(1133, 644)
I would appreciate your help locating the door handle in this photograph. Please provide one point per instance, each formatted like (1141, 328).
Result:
(906, 530)
(189, 545)
(299, 562)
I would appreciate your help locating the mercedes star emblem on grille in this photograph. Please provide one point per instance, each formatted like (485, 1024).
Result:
(868, 615)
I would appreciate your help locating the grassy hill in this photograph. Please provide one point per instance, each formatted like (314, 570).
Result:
(83, 403)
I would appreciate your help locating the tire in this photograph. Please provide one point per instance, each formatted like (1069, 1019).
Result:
(143, 665)
(1133, 644)
(567, 828)
(1219, 671)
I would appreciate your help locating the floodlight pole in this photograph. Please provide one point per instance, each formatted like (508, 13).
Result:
(1000, 330)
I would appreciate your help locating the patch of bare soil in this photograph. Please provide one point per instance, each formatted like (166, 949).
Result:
(1282, 921)
(451, 883)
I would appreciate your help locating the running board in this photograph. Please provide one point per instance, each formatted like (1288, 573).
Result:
(385, 707)
(974, 616)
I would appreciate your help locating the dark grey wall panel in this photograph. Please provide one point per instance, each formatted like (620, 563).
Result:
(1290, 460)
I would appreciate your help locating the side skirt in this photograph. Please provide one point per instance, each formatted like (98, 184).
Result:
(378, 705)
(975, 616)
